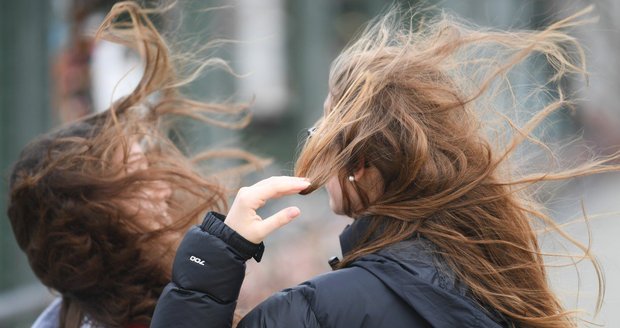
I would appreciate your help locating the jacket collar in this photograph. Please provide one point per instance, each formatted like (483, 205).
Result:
(417, 259)
(353, 233)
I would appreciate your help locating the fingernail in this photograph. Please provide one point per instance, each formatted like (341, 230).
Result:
(293, 212)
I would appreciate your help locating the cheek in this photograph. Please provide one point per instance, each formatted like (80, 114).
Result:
(335, 195)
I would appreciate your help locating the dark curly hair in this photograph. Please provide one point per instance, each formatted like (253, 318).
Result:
(67, 188)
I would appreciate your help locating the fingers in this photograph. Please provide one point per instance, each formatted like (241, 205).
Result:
(274, 187)
(242, 216)
(255, 196)
(276, 221)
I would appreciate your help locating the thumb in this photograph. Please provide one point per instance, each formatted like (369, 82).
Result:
(277, 220)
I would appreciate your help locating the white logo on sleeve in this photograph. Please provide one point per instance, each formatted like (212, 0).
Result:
(197, 260)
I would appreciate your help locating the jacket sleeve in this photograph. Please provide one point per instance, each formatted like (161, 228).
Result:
(292, 307)
(207, 273)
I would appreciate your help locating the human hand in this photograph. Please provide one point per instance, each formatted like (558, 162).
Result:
(243, 218)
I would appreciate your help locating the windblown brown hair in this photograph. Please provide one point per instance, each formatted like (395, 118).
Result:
(108, 263)
(410, 100)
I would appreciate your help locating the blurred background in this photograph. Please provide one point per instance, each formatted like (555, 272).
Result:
(51, 72)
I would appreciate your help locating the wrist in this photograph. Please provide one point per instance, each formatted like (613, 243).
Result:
(213, 223)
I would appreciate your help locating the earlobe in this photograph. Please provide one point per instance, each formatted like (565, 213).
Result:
(359, 173)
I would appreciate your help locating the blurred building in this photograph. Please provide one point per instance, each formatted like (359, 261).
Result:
(52, 72)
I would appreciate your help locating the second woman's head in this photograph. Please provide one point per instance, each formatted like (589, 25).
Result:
(99, 205)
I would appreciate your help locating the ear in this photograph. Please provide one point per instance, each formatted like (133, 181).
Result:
(360, 170)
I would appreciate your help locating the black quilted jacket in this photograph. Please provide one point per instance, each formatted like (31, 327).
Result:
(403, 285)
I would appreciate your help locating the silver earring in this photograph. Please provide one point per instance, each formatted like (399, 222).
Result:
(351, 178)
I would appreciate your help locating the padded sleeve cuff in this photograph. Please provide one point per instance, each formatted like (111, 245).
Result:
(215, 226)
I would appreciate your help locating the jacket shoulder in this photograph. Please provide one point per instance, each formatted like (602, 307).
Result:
(292, 307)
(350, 297)
(315, 303)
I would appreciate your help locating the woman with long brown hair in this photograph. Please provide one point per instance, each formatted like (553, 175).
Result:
(99, 205)
(445, 230)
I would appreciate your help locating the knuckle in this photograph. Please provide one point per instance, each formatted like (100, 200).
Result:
(261, 202)
(243, 193)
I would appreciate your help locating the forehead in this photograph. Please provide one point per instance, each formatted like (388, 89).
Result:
(131, 151)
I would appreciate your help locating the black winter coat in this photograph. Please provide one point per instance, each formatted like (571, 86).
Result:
(403, 285)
